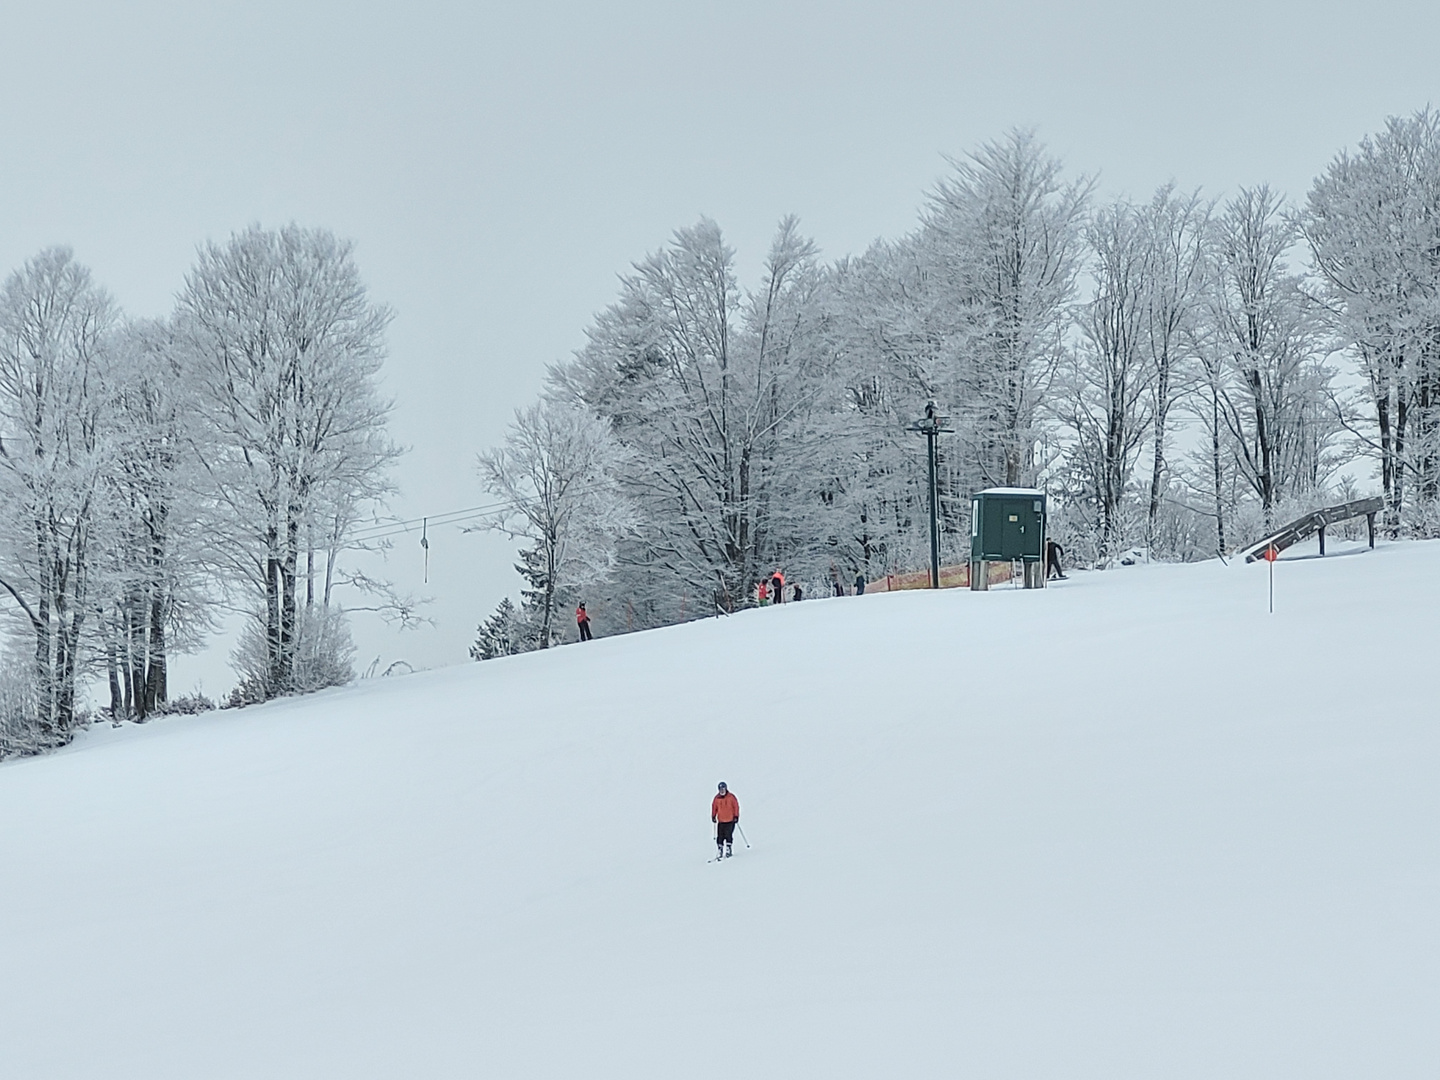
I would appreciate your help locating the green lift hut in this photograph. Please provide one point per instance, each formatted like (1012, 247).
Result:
(1007, 525)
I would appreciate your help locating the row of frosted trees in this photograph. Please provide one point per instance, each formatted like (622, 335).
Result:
(1177, 372)
(156, 472)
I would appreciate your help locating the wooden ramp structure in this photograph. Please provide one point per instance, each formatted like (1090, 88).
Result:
(1317, 521)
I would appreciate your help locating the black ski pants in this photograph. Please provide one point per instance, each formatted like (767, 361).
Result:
(585, 630)
(724, 832)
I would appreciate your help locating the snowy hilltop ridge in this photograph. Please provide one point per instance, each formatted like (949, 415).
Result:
(1129, 826)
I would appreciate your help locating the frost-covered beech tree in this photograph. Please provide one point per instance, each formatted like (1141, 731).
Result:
(1372, 221)
(1177, 228)
(1211, 460)
(712, 391)
(56, 331)
(1266, 332)
(557, 479)
(157, 594)
(1133, 362)
(900, 340)
(1004, 232)
(286, 349)
(1104, 394)
(969, 311)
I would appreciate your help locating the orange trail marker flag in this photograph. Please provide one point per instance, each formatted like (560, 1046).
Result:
(1271, 554)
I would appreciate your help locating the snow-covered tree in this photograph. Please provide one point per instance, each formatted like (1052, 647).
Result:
(158, 589)
(56, 330)
(1267, 333)
(1177, 228)
(503, 634)
(969, 311)
(900, 335)
(1005, 236)
(286, 347)
(556, 476)
(1131, 365)
(1104, 396)
(1372, 221)
(712, 392)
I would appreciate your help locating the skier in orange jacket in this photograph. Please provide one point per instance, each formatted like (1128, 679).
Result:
(582, 620)
(725, 813)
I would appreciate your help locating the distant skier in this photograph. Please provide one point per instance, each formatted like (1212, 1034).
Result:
(777, 587)
(762, 594)
(582, 620)
(859, 584)
(1053, 551)
(799, 593)
(725, 813)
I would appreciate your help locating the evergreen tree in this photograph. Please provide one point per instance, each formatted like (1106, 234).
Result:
(502, 634)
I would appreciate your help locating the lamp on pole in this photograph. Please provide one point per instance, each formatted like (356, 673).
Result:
(931, 426)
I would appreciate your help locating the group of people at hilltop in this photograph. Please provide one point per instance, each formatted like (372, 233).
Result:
(771, 590)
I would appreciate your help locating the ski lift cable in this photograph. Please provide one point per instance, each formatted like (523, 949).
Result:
(406, 525)
(387, 529)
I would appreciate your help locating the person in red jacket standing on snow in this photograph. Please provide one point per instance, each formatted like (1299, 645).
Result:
(582, 620)
(725, 813)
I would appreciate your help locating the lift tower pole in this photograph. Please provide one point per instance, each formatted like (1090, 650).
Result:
(931, 427)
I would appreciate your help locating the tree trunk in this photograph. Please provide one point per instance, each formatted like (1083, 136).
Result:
(135, 652)
(288, 615)
(1265, 480)
(272, 620)
(44, 639)
(547, 608)
(157, 675)
(1402, 416)
(1215, 462)
(1157, 472)
(1387, 456)
(112, 667)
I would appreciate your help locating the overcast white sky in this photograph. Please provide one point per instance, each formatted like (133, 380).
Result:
(499, 164)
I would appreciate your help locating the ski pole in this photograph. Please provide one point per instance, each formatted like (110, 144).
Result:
(742, 834)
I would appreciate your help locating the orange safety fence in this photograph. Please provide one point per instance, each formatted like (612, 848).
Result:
(951, 577)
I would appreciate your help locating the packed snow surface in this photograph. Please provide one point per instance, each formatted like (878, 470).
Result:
(1129, 826)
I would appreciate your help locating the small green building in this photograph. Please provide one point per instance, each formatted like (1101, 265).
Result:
(1007, 524)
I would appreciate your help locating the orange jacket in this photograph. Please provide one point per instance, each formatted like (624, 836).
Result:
(725, 807)
(581, 615)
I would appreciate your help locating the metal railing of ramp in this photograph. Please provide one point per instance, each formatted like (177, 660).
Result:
(1317, 521)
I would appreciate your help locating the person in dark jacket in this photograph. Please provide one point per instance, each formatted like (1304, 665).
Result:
(1053, 551)
(725, 813)
(799, 593)
(582, 620)
(859, 584)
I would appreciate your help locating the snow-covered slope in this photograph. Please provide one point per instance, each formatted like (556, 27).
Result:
(1132, 826)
